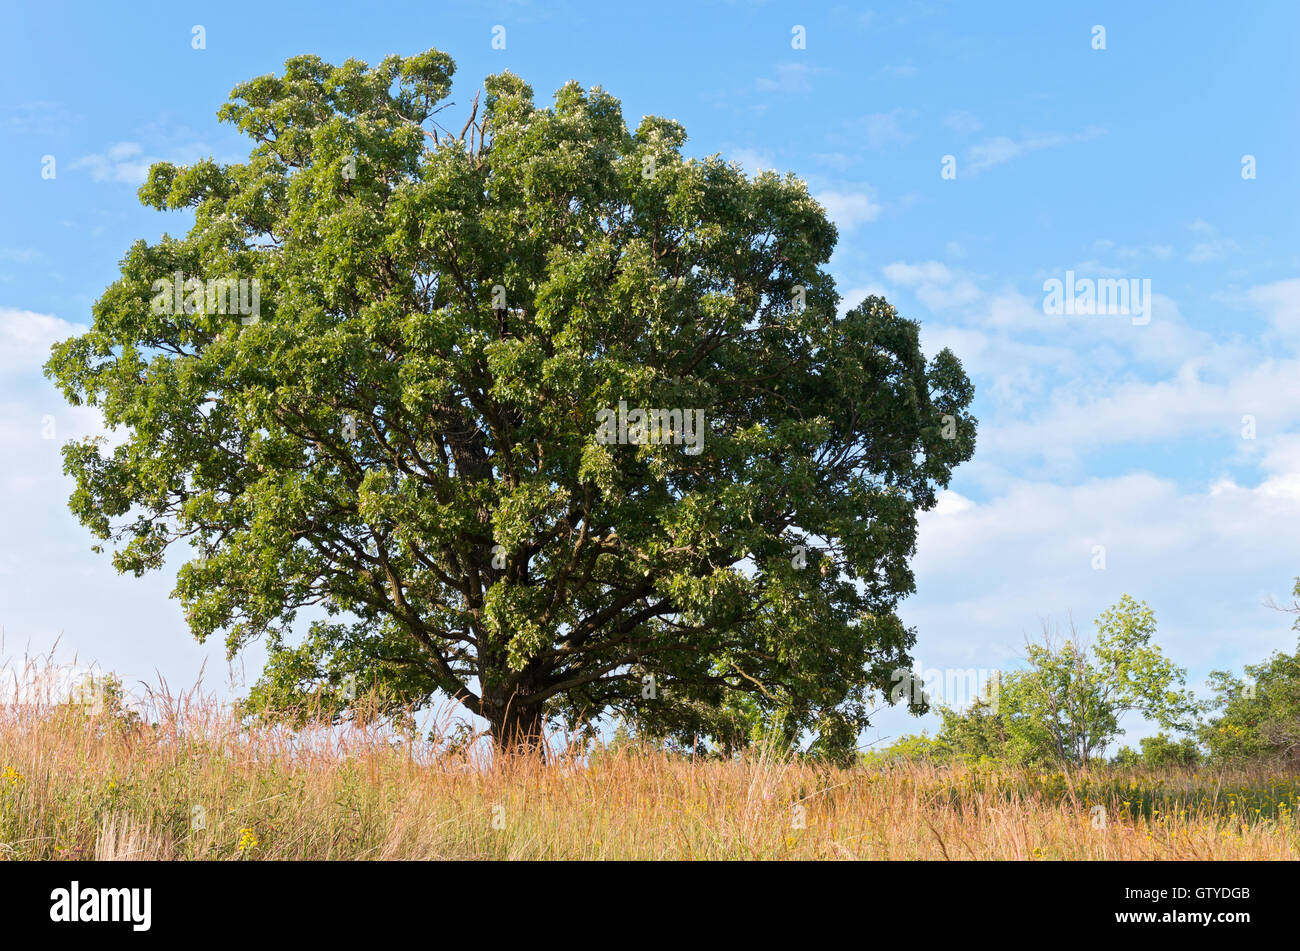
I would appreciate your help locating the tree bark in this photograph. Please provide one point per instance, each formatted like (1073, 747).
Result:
(517, 728)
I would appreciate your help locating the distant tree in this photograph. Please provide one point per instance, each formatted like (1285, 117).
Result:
(978, 732)
(412, 433)
(1258, 715)
(912, 748)
(1160, 751)
(1065, 707)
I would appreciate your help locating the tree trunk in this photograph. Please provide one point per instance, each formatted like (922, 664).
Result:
(517, 728)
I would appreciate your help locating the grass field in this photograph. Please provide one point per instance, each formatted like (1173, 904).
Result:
(195, 785)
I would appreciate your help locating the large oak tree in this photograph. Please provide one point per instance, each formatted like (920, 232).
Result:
(406, 436)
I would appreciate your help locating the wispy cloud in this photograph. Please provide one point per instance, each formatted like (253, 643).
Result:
(963, 122)
(40, 118)
(1211, 247)
(934, 284)
(789, 78)
(1001, 149)
(1204, 251)
(123, 162)
(128, 163)
(879, 130)
(899, 71)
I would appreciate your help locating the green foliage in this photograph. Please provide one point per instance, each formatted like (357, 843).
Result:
(910, 749)
(337, 674)
(979, 732)
(1258, 716)
(837, 740)
(103, 700)
(405, 438)
(1065, 707)
(1160, 751)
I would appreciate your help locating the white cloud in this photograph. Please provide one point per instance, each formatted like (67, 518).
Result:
(1001, 149)
(1197, 556)
(1210, 247)
(910, 275)
(26, 338)
(1151, 412)
(934, 284)
(128, 163)
(962, 122)
(856, 295)
(1214, 250)
(123, 162)
(849, 209)
(878, 130)
(1060, 388)
(752, 162)
(34, 418)
(1280, 302)
(789, 78)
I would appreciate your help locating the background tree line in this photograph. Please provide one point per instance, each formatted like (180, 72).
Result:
(1064, 708)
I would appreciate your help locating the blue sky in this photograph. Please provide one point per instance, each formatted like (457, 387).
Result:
(1124, 162)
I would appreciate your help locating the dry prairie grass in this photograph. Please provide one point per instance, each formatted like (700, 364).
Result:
(197, 785)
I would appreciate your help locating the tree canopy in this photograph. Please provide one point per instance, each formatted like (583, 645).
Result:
(403, 433)
(1257, 716)
(1065, 707)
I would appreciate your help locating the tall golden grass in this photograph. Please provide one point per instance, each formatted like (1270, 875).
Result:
(192, 782)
